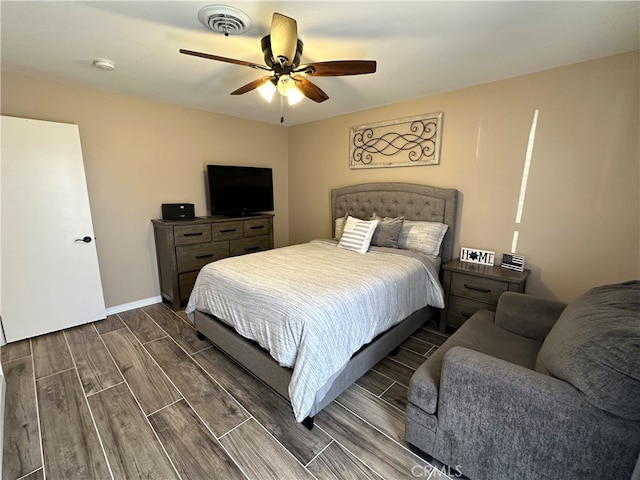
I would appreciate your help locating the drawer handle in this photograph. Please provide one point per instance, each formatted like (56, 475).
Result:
(477, 289)
(197, 234)
(209, 255)
(465, 314)
(256, 227)
(251, 249)
(228, 230)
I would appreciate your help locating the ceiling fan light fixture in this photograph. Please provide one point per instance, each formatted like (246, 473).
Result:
(224, 19)
(294, 96)
(285, 85)
(267, 90)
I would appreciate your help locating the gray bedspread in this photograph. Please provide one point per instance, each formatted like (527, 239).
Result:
(313, 305)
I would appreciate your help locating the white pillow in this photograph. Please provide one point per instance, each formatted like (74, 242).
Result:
(339, 226)
(356, 234)
(424, 237)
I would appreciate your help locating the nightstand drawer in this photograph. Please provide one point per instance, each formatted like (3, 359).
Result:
(256, 227)
(460, 309)
(249, 245)
(188, 234)
(478, 288)
(470, 287)
(194, 257)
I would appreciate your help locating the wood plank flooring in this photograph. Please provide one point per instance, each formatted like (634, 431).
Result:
(137, 395)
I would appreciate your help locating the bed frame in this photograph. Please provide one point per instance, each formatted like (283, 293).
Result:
(414, 202)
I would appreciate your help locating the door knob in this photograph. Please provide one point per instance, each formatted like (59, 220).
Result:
(86, 239)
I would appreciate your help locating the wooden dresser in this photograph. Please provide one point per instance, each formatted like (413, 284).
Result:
(183, 247)
(469, 287)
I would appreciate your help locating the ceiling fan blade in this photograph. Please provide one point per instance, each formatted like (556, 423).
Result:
(251, 86)
(224, 59)
(284, 38)
(338, 68)
(310, 90)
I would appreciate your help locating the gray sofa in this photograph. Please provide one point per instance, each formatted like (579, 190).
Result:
(538, 390)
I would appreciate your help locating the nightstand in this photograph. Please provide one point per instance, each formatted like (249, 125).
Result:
(469, 287)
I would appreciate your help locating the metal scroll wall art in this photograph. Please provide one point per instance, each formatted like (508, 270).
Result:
(397, 143)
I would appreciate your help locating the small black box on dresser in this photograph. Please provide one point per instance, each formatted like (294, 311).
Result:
(178, 211)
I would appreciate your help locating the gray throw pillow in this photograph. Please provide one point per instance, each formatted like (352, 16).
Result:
(595, 346)
(388, 232)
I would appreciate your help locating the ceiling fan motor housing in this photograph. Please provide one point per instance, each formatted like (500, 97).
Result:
(273, 63)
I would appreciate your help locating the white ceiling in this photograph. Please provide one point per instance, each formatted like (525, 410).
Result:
(421, 47)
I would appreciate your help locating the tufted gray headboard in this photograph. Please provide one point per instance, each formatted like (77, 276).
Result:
(413, 201)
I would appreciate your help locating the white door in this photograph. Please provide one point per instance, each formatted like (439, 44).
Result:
(49, 266)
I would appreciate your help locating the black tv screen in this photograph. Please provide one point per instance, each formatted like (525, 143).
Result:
(235, 190)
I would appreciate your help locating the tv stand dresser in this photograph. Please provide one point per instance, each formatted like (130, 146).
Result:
(183, 247)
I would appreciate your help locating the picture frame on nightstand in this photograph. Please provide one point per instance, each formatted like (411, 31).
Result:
(511, 261)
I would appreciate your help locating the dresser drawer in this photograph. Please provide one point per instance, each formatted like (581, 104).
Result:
(460, 309)
(188, 234)
(249, 245)
(253, 228)
(184, 247)
(478, 288)
(186, 282)
(194, 257)
(227, 230)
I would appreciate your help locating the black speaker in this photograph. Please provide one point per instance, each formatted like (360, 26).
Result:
(178, 211)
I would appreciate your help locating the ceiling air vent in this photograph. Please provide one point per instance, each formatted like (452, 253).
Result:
(224, 19)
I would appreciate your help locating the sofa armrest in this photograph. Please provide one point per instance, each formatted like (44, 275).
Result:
(527, 315)
(496, 417)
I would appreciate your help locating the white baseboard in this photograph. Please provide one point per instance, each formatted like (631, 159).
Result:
(137, 304)
(109, 311)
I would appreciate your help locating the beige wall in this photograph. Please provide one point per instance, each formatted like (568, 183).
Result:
(139, 154)
(580, 222)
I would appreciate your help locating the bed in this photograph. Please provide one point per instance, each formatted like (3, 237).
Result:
(299, 348)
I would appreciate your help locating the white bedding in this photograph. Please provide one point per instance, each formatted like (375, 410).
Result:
(313, 305)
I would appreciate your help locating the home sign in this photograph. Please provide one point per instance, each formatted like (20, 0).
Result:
(473, 255)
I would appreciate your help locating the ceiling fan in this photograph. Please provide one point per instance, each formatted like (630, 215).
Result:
(282, 50)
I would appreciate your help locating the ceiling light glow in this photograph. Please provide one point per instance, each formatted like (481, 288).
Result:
(294, 96)
(267, 90)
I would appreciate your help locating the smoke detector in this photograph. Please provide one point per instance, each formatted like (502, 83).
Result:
(104, 64)
(224, 19)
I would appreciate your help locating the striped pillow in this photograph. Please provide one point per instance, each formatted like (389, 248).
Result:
(421, 236)
(356, 234)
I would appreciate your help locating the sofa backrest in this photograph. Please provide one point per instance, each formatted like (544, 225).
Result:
(595, 346)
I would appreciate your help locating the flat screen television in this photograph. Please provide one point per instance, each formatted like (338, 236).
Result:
(235, 190)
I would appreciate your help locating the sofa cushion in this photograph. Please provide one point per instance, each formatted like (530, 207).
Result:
(478, 333)
(527, 315)
(595, 346)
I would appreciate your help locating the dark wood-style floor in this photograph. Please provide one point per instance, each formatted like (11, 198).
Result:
(139, 396)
